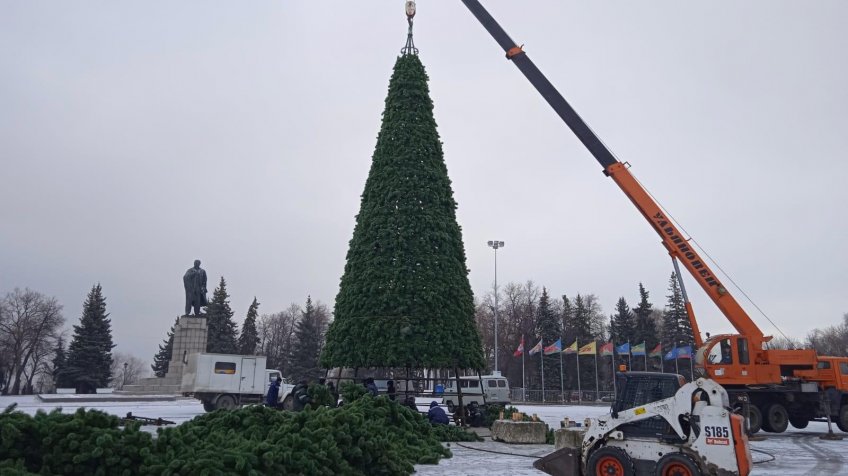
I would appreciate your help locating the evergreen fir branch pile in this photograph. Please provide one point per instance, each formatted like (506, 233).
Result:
(365, 436)
(404, 298)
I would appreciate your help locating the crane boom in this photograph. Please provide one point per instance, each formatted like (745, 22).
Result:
(674, 241)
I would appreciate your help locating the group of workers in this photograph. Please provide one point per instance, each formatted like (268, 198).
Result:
(436, 414)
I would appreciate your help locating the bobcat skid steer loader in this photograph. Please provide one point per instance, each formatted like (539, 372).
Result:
(659, 425)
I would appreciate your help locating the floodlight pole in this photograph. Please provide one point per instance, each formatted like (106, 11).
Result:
(495, 244)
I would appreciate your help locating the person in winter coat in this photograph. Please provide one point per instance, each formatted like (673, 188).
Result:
(301, 395)
(390, 390)
(273, 393)
(371, 387)
(436, 415)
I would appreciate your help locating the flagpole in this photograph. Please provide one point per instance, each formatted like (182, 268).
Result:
(542, 357)
(691, 369)
(597, 388)
(523, 379)
(614, 389)
(629, 357)
(561, 379)
(579, 390)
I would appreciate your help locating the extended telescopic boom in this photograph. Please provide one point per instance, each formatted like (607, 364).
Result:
(677, 246)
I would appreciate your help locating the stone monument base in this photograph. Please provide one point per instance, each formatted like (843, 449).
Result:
(190, 334)
(530, 432)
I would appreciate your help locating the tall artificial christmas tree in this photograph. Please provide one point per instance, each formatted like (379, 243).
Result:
(90, 353)
(404, 299)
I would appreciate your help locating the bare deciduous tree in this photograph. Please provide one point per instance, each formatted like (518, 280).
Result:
(275, 335)
(127, 370)
(29, 323)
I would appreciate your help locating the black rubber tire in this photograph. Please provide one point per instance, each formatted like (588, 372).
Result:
(610, 461)
(207, 406)
(799, 421)
(755, 419)
(451, 406)
(225, 402)
(775, 418)
(842, 419)
(677, 464)
(288, 403)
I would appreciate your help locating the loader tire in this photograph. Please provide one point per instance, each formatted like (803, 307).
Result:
(842, 420)
(610, 461)
(775, 418)
(755, 419)
(288, 403)
(677, 464)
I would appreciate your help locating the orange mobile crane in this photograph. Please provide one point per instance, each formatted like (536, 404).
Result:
(774, 387)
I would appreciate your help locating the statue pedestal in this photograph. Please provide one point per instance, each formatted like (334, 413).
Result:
(189, 338)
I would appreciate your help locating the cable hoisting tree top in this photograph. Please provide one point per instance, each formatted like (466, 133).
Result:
(409, 48)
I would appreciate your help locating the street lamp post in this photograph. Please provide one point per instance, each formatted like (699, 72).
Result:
(495, 245)
(124, 380)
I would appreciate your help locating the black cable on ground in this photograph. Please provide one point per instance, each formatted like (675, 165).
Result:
(496, 452)
(773, 457)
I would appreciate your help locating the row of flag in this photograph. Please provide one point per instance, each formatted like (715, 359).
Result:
(606, 349)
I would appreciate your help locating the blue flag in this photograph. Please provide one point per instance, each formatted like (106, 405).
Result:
(623, 348)
(684, 352)
(672, 354)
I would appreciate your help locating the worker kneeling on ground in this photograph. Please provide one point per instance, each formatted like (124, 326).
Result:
(437, 415)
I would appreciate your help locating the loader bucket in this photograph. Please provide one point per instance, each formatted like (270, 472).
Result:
(562, 462)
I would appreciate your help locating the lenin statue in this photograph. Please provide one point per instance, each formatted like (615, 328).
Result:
(194, 281)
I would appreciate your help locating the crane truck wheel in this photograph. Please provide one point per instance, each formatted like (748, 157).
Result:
(755, 419)
(842, 421)
(776, 418)
(288, 403)
(207, 406)
(799, 421)
(677, 464)
(225, 402)
(610, 461)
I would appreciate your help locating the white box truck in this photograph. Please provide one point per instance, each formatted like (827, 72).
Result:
(495, 389)
(227, 381)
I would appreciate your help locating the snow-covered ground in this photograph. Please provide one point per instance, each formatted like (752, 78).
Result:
(796, 452)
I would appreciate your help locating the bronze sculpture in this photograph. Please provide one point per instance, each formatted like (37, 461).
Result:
(194, 281)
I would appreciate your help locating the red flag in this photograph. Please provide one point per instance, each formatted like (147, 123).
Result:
(606, 349)
(520, 349)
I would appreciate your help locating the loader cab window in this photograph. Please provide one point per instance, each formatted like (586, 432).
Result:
(743, 351)
(721, 354)
(843, 368)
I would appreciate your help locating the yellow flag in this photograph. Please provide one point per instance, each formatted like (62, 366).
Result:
(588, 349)
(572, 349)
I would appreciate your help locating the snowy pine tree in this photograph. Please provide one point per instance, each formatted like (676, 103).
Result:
(90, 353)
(163, 356)
(249, 339)
(222, 330)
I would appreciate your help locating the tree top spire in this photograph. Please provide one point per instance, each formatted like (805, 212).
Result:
(409, 48)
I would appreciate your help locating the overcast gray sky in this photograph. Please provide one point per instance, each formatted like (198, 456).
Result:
(138, 136)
